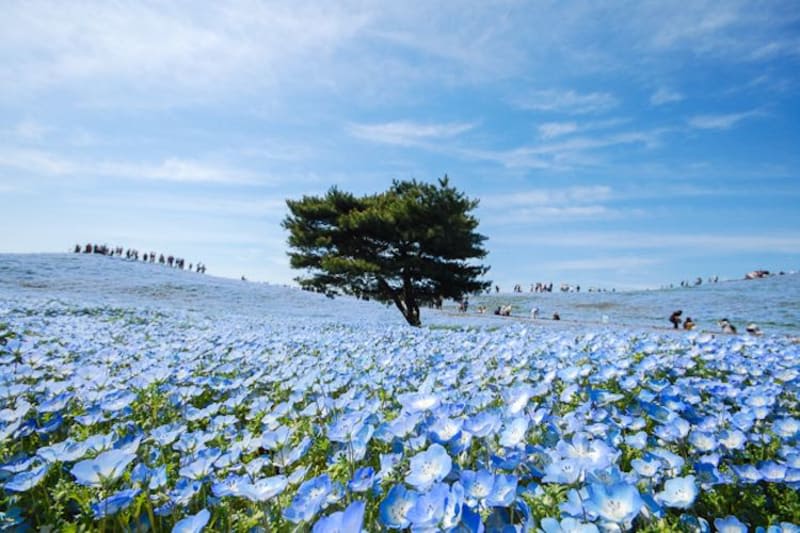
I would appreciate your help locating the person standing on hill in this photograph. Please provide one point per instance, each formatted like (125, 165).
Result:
(675, 318)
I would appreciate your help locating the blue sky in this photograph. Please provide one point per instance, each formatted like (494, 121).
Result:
(626, 145)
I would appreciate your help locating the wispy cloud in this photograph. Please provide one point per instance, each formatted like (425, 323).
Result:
(623, 240)
(43, 163)
(548, 196)
(664, 96)
(548, 130)
(566, 101)
(408, 133)
(722, 121)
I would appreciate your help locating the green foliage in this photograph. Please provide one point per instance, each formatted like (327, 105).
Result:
(411, 245)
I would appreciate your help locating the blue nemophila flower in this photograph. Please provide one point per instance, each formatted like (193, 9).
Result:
(732, 439)
(349, 520)
(772, 471)
(24, 481)
(504, 490)
(288, 455)
(429, 467)
(362, 479)
(730, 524)
(312, 496)
(647, 467)
(104, 468)
(166, 434)
(477, 485)
(202, 464)
(66, 451)
(619, 503)
(678, 492)
(428, 509)
(444, 429)
(482, 424)
(395, 507)
(747, 473)
(513, 433)
(114, 503)
(192, 524)
(694, 524)
(418, 401)
(262, 490)
(786, 428)
(272, 440)
(567, 525)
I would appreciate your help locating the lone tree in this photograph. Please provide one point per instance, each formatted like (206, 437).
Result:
(411, 245)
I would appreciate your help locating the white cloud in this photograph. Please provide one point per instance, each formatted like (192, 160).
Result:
(664, 96)
(720, 122)
(408, 133)
(548, 130)
(569, 101)
(170, 169)
(548, 197)
(701, 242)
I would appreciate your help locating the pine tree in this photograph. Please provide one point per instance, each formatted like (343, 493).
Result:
(411, 245)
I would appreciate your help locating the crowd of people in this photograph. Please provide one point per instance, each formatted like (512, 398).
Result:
(133, 254)
(724, 324)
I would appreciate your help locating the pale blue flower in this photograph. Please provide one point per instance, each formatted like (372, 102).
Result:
(114, 503)
(24, 481)
(310, 498)
(730, 524)
(619, 503)
(678, 492)
(394, 508)
(104, 468)
(429, 467)
(192, 524)
(349, 520)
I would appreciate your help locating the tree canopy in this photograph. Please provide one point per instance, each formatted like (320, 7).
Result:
(414, 244)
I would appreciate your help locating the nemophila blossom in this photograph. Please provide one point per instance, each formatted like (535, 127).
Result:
(24, 481)
(678, 492)
(349, 520)
(168, 433)
(730, 524)
(786, 428)
(513, 433)
(504, 490)
(567, 525)
(732, 439)
(201, 464)
(104, 468)
(694, 524)
(772, 471)
(192, 524)
(394, 508)
(114, 503)
(312, 496)
(516, 398)
(362, 479)
(702, 441)
(619, 503)
(288, 455)
(184, 491)
(428, 509)
(747, 473)
(262, 490)
(417, 402)
(429, 467)
(444, 429)
(647, 467)
(482, 424)
(477, 486)
(66, 451)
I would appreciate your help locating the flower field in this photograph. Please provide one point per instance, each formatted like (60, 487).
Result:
(124, 419)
